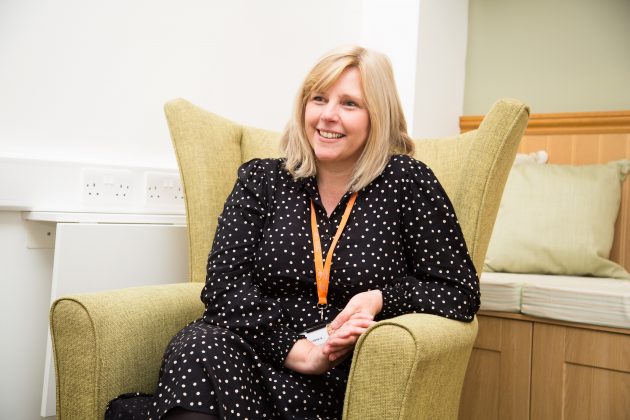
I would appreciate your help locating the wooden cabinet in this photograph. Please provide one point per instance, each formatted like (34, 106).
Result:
(532, 368)
(498, 378)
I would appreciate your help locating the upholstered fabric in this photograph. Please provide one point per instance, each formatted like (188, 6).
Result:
(409, 367)
(112, 342)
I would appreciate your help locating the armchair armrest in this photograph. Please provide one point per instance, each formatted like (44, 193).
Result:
(112, 342)
(409, 367)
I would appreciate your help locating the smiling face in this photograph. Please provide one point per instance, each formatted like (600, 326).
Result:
(337, 122)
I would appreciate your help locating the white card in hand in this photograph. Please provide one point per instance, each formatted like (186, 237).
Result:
(317, 336)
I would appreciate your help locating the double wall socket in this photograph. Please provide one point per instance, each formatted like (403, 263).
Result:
(107, 187)
(163, 189)
(131, 190)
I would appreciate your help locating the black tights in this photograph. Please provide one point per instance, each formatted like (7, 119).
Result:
(179, 413)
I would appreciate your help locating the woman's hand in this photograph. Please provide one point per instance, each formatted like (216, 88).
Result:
(308, 358)
(370, 302)
(356, 317)
(342, 340)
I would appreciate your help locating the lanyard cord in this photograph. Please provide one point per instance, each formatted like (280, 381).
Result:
(322, 270)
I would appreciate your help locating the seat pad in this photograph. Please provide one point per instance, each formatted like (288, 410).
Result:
(501, 291)
(588, 300)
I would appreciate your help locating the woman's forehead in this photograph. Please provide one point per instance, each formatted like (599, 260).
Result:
(331, 78)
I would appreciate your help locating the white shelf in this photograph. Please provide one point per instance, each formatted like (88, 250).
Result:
(70, 217)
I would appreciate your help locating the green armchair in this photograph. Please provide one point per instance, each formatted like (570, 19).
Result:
(409, 367)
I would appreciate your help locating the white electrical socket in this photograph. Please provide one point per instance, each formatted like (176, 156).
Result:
(107, 187)
(163, 189)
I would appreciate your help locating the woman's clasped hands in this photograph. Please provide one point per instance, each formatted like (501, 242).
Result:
(341, 340)
(352, 321)
(358, 315)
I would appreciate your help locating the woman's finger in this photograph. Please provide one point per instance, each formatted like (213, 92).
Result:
(342, 318)
(346, 337)
(355, 323)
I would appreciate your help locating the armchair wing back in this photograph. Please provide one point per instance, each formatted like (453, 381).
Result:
(472, 168)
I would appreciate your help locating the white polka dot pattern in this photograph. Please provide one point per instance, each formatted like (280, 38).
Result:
(402, 238)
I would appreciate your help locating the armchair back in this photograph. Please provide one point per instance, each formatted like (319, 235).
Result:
(472, 167)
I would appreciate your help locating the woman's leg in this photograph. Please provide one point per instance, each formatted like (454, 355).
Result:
(179, 413)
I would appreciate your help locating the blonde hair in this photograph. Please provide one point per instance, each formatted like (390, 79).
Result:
(388, 128)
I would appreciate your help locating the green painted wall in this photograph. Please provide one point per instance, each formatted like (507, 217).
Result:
(556, 55)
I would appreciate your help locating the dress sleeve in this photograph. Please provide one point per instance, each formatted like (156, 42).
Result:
(232, 298)
(443, 280)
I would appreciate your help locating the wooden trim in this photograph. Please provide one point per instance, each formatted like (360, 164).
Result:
(522, 317)
(565, 123)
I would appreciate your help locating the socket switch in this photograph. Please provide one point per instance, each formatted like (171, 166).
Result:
(107, 187)
(163, 189)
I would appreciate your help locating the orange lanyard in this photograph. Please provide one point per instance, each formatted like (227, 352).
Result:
(322, 270)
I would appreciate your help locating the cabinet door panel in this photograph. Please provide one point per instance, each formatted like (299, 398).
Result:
(579, 374)
(498, 376)
(480, 395)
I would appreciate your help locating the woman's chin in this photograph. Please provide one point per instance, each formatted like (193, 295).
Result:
(327, 157)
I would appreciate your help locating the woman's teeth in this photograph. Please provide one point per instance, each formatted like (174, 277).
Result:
(329, 135)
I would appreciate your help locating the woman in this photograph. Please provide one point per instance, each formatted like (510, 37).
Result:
(346, 229)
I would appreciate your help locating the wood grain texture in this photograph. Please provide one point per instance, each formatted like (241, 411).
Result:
(596, 393)
(531, 318)
(593, 348)
(565, 123)
(547, 372)
(578, 371)
(489, 337)
(579, 374)
(481, 392)
(497, 381)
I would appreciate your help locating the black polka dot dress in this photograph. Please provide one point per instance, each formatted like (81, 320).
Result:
(402, 238)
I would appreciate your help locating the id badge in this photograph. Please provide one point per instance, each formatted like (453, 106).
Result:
(317, 334)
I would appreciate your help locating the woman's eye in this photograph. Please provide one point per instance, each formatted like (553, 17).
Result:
(318, 98)
(351, 104)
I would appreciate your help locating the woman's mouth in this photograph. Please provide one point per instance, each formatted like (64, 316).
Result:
(330, 135)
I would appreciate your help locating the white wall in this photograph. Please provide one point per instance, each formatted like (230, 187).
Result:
(86, 79)
(440, 67)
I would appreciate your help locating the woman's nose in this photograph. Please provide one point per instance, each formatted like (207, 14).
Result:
(330, 112)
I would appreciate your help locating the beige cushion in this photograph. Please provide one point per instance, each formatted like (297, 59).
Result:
(558, 219)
